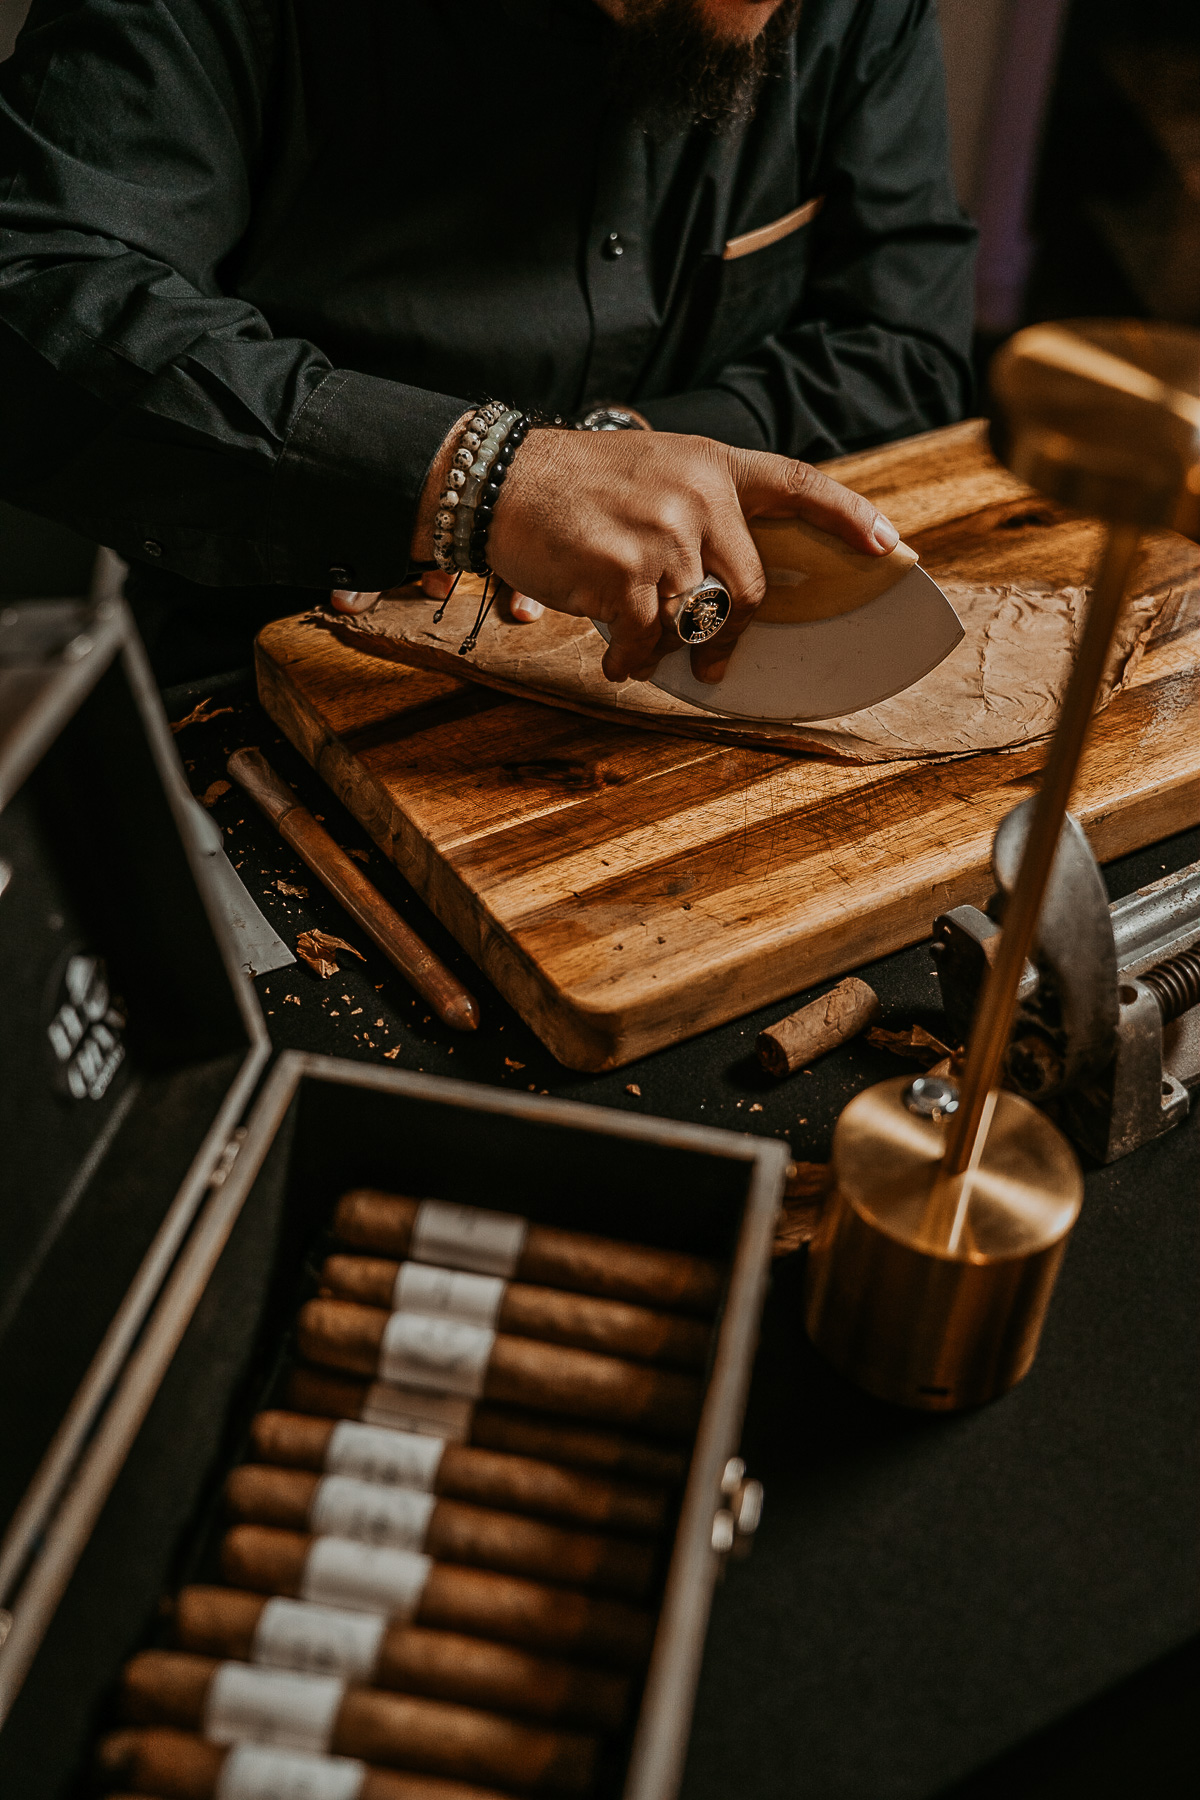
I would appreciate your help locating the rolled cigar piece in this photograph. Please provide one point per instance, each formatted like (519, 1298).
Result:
(443, 1665)
(495, 1243)
(448, 1356)
(610, 1326)
(450, 1530)
(177, 1765)
(457, 1471)
(490, 1427)
(229, 1701)
(442, 1596)
(818, 1027)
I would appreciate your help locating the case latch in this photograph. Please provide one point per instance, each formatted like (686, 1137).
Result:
(227, 1158)
(736, 1522)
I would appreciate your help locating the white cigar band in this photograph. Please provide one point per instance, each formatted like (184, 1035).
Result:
(395, 1517)
(271, 1706)
(256, 1772)
(394, 1458)
(365, 1578)
(467, 1237)
(443, 1356)
(317, 1640)
(448, 1293)
(393, 1408)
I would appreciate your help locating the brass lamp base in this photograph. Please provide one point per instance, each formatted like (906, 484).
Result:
(931, 1291)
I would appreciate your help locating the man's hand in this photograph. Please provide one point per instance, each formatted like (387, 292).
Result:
(608, 525)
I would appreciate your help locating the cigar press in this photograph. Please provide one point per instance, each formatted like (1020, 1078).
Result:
(1107, 1031)
(932, 1267)
(837, 631)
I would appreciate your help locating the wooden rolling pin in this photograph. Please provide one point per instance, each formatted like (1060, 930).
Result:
(442, 1665)
(495, 1243)
(520, 1484)
(611, 1326)
(172, 1687)
(413, 1589)
(178, 1765)
(451, 1001)
(448, 1357)
(448, 1530)
(501, 1428)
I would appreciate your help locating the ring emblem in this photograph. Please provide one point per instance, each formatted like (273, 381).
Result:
(700, 613)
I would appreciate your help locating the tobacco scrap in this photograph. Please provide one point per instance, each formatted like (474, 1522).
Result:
(808, 1185)
(361, 856)
(294, 888)
(631, 1087)
(200, 715)
(509, 1063)
(213, 792)
(319, 950)
(392, 1054)
(915, 1045)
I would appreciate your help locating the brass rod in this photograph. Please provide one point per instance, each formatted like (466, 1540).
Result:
(998, 1002)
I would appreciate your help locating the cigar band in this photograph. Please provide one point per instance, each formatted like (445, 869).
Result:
(344, 1507)
(443, 1356)
(317, 1640)
(467, 1237)
(255, 1772)
(365, 1578)
(447, 1293)
(404, 1459)
(271, 1706)
(445, 1416)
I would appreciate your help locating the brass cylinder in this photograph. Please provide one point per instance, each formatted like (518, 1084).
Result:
(930, 1290)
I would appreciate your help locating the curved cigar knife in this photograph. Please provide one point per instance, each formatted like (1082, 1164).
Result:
(837, 631)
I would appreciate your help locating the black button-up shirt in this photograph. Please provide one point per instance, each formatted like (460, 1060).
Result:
(256, 257)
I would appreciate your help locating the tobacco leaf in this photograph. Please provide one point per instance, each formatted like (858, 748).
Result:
(213, 792)
(292, 887)
(914, 1045)
(806, 1191)
(200, 715)
(319, 950)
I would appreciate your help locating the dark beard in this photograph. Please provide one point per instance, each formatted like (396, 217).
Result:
(669, 69)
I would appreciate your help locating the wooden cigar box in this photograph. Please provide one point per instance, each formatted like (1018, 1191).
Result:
(167, 1188)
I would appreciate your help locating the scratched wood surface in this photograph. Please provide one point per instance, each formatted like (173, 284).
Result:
(626, 888)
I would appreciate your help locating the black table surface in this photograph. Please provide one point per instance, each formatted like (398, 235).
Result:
(1002, 1602)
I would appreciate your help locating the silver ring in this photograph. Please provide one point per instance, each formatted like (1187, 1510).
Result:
(699, 614)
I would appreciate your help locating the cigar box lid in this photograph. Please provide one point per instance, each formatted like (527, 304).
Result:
(131, 1043)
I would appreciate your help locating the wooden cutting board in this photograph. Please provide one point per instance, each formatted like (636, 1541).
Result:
(626, 888)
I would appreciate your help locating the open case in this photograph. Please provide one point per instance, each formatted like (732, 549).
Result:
(158, 1230)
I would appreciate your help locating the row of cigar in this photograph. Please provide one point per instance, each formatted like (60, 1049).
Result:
(445, 1544)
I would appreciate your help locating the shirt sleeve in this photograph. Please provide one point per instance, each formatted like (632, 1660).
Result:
(879, 346)
(141, 404)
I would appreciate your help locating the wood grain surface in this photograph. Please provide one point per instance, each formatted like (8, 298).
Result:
(628, 888)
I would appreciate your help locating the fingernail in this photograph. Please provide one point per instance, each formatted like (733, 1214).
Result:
(525, 608)
(714, 672)
(346, 595)
(885, 533)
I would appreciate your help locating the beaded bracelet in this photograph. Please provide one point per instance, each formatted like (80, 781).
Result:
(477, 472)
(475, 432)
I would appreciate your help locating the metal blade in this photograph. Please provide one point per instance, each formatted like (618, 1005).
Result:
(831, 667)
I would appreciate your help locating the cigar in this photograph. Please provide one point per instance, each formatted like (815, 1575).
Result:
(554, 1317)
(178, 1765)
(453, 1531)
(172, 1687)
(442, 1665)
(500, 1428)
(413, 1589)
(818, 1027)
(447, 1356)
(490, 1478)
(495, 1243)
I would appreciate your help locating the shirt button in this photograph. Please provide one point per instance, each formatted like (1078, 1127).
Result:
(612, 246)
(152, 547)
(340, 576)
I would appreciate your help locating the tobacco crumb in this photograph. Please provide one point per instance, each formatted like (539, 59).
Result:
(354, 1014)
(294, 888)
(392, 1054)
(914, 1045)
(631, 1087)
(335, 1015)
(378, 1023)
(509, 1063)
(291, 999)
(200, 715)
(361, 856)
(757, 1107)
(213, 792)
